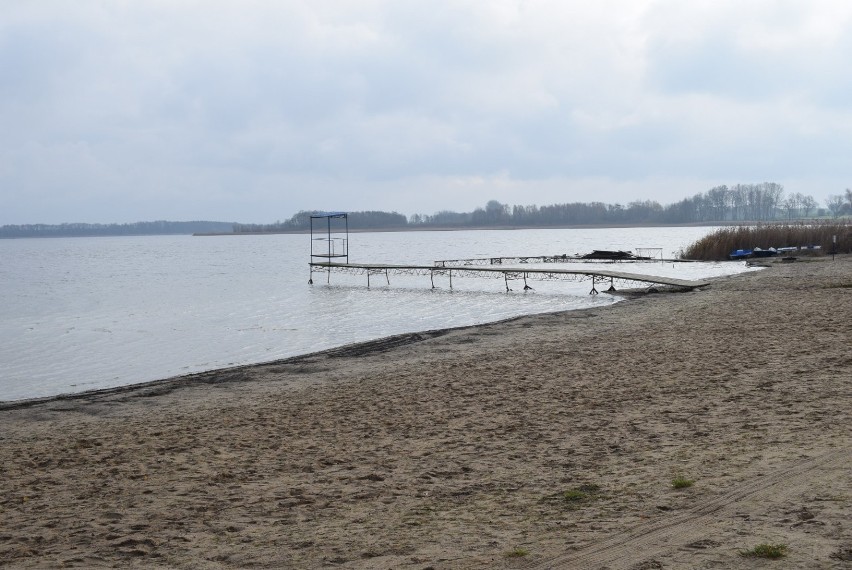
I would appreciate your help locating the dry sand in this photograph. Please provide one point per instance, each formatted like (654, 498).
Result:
(455, 449)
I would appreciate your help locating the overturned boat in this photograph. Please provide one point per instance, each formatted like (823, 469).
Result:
(612, 255)
(757, 252)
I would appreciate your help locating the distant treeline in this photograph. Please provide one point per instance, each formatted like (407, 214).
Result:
(742, 202)
(135, 229)
(357, 220)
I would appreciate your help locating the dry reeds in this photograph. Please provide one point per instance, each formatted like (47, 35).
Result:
(719, 244)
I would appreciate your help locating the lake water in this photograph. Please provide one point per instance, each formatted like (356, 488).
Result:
(88, 313)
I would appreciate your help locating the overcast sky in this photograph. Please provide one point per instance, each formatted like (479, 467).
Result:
(253, 110)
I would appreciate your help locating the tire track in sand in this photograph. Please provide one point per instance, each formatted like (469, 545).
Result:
(651, 539)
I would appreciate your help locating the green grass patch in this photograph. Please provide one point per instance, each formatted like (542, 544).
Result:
(681, 482)
(573, 495)
(766, 551)
(581, 493)
(517, 552)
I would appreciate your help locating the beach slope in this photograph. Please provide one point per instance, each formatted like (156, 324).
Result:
(549, 441)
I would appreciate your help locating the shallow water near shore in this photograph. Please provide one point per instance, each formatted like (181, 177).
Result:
(89, 313)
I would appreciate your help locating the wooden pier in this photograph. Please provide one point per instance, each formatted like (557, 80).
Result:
(597, 276)
(333, 244)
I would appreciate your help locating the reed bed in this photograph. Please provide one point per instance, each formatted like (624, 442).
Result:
(719, 244)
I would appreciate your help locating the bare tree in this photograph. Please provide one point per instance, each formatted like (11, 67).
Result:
(791, 204)
(717, 199)
(835, 204)
(809, 204)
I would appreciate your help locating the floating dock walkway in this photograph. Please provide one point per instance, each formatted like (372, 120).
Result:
(524, 259)
(597, 276)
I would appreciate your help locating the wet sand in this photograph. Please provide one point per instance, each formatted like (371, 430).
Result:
(547, 441)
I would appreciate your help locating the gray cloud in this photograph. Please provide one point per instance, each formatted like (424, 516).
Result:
(252, 111)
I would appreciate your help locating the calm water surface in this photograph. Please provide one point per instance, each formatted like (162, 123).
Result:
(87, 313)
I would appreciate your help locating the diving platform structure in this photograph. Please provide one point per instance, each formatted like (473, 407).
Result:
(334, 244)
(330, 254)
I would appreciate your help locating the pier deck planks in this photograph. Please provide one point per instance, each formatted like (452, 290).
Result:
(593, 273)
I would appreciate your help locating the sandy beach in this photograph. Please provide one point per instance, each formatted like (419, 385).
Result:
(548, 441)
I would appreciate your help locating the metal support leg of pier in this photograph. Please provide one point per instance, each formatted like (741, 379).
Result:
(593, 291)
(451, 279)
(432, 278)
(611, 284)
(526, 287)
(506, 278)
(311, 278)
(387, 277)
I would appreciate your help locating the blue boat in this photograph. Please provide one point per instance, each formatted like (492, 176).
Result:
(740, 254)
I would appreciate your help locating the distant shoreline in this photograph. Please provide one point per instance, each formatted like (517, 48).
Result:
(482, 228)
(388, 230)
(428, 229)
